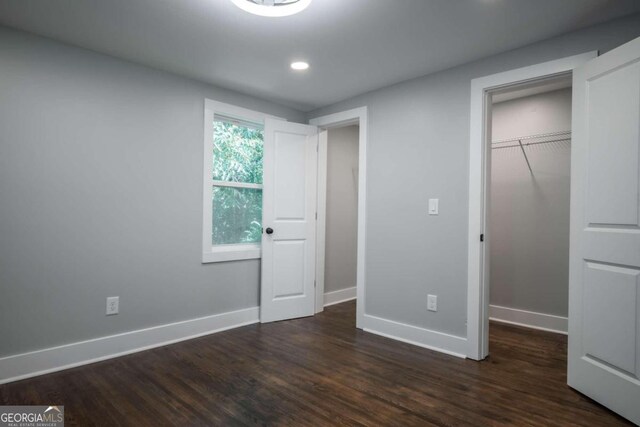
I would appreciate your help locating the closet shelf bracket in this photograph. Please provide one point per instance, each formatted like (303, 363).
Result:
(525, 156)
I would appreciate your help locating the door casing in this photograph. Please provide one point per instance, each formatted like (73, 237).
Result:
(479, 168)
(350, 117)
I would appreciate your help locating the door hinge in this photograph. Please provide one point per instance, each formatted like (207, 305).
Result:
(314, 283)
(482, 237)
(316, 215)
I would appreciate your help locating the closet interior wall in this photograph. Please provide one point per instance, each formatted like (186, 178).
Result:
(342, 209)
(530, 208)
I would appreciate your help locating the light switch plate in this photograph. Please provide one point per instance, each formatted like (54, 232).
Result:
(433, 206)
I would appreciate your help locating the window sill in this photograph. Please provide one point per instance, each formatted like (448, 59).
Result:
(231, 253)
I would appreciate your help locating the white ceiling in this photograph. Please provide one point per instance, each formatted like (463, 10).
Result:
(353, 46)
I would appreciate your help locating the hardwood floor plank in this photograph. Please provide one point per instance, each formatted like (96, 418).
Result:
(321, 371)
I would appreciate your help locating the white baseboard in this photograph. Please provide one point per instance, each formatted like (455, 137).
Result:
(336, 297)
(433, 340)
(31, 364)
(529, 319)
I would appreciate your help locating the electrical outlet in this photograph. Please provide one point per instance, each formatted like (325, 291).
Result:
(432, 302)
(113, 305)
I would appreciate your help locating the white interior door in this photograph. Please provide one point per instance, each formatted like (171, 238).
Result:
(288, 220)
(604, 295)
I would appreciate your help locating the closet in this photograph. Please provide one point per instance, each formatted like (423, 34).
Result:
(530, 199)
(341, 232)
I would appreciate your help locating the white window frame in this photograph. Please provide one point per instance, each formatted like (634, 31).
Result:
(221, 253)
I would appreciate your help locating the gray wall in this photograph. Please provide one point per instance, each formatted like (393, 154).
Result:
(101, 195)
(342, 209)
(530, 213)
(418, 149)
(101, 191)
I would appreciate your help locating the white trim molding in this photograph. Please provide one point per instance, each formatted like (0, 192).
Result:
(40, 362)
(321, 219)
(529, 319)
(341, 295)
(223, 253)
(426, 338)
(479, 161)
(356, 116)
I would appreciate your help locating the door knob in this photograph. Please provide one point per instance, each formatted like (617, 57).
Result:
(269, 230)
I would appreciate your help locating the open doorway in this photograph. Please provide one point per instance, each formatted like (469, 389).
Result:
(528, 190)
(341, 214)
(533, 80)
(341, 225)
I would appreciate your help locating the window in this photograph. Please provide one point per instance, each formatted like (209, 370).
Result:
(232, 220)
(237, 182)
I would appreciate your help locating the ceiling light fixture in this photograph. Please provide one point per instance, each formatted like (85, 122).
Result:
(272, 8)
(299, 65)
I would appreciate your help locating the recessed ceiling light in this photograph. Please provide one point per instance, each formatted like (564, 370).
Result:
(272, 8)
(299, 65)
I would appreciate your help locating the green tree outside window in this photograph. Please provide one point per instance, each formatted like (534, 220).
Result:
(237, 158)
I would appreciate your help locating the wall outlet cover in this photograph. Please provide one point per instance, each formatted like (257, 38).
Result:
(432, 302)
(113, 305)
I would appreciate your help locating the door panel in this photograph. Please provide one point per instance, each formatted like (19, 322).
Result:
(289, 209)
(613, 146)
(288, 273)
(290, 177)
(604, 294)
(611, 336)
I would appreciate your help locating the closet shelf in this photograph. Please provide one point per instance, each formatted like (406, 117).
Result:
(524, 141)
(544, 138)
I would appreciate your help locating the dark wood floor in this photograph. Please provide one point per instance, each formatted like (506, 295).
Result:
(320, 371)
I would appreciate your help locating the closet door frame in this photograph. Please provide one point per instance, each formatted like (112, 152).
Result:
(479, 187)
(356, 116)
